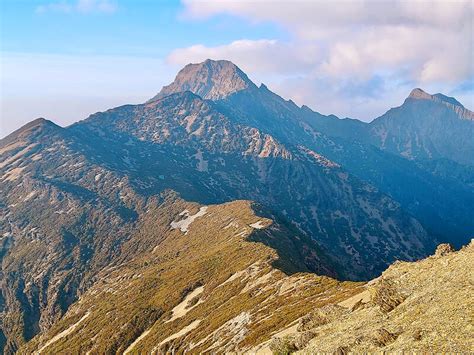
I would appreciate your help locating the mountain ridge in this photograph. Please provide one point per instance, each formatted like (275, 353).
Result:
(217, 73)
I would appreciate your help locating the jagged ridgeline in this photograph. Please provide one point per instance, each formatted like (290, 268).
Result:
(218, 216)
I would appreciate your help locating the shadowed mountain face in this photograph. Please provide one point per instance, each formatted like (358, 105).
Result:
(230, 160)
(433, 180)
(110, 192)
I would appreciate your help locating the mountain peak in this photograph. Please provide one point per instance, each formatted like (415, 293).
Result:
(37, 125)
(211, 79)
(450, 102)
(418, 94)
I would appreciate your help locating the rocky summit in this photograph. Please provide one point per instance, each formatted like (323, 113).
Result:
(219, 217)
(211, 79)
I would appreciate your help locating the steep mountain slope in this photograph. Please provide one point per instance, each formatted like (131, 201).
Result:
(426, 188)
(422, 307)
(73, 198)
(58, 221)
(361, 227)
(67, 215)
(183, 293)
(436, 133)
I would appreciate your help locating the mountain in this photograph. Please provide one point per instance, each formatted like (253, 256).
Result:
(73, 201)
(427, 127)
(67, 216)
(109, 224)
(426, 188)
(438, 192)
(236, 161)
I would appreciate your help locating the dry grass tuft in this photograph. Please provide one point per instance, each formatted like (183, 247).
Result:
(320, 317)
(291, 343)
(417, 334)
(283, 346)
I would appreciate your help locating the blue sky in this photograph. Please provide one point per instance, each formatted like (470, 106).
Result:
(66, 59)
(136, 28)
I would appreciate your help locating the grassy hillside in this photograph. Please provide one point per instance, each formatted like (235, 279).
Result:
(229, 275)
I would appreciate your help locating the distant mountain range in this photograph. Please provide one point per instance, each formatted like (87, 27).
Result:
(90, 212)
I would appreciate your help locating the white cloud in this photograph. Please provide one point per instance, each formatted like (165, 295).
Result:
(346, 48)
(80, 6)
(308, 18)
(261, 56)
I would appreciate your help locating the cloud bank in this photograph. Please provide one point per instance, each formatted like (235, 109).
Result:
(360, 51)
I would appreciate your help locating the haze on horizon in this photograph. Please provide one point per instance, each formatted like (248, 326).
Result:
(64, 60)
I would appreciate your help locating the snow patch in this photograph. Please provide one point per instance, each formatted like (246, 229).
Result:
(132, 345)
(12, 146)
(364, 297)
(233, 277)
(181, 309)
(259, 281)
(184, 224)
(232, 224)
(257, 225)
(18, 156)
(182, 332)
(202, 164)
(29, 196)
(63, 333)
(12, 174)
(36, 157)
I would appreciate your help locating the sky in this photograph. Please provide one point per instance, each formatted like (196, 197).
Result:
(66, 59)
